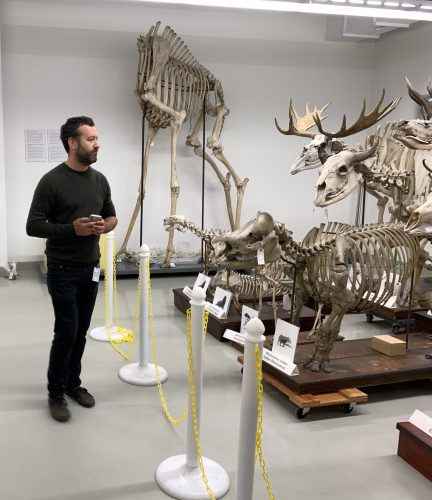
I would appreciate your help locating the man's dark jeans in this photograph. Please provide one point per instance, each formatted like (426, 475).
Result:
(73, 294)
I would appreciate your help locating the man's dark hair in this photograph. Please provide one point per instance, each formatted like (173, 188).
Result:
(70, 128)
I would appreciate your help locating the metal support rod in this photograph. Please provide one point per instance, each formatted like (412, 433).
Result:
(409, 309)
(203, 175)
(364, 202)
(142, 172)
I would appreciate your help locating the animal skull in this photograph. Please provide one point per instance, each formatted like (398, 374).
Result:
(420, 221)
(339, 177)
(414, 134)
(316, 153)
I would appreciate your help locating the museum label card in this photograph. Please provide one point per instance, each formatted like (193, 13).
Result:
(286, 302)
(279, 363)
(234, 336)
(202, 281)
(222, 299)
(285, 340)
(214, 309)
(284, 345)
(260, 257)
(187, 290)
(422, 422)
(247, 314)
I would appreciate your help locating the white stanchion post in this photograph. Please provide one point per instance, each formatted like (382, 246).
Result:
(180, 476)
(143, 372)
(248, 411)
(109, 330)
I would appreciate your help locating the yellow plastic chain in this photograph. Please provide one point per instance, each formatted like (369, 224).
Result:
(174, 421)
(193, 403)
(127, 335)
(260, 390)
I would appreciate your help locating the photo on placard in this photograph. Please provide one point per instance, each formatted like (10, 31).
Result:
(202, 281)
(247, 314)
(285, 340)
(222, 299)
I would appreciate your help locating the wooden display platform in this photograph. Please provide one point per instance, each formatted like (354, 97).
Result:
(423, 321)
(217, 326)
(346, 398)
(356, 364)
(415, 447)
(398, 316)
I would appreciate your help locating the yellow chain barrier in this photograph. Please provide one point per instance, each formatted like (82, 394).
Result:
(193, 403)
(174, 421)
(126, 334)
(260, 390)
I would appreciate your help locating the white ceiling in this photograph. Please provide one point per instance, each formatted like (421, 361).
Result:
(134, 15)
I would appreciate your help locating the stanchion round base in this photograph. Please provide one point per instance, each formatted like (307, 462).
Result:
(101, 333)
(180, 481)
(142, 375)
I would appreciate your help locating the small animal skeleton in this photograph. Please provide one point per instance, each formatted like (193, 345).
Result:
(172, 86)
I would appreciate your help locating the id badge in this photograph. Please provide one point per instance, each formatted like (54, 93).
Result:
(96, 274)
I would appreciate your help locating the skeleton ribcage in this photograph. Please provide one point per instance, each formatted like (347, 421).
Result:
(380, 257)
(181, 82)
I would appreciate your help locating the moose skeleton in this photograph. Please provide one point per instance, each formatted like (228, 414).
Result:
(172, 86)
(387, 165)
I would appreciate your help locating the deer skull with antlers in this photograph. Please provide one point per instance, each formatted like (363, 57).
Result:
(326, 144)
(417, 134)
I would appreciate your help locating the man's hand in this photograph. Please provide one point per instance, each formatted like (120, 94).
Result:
(84, 227)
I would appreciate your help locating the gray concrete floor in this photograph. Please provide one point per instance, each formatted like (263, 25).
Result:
(111, 451)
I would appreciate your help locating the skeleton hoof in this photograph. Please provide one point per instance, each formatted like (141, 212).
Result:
(315, 366)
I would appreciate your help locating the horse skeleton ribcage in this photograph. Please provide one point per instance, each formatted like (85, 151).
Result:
(167, 67)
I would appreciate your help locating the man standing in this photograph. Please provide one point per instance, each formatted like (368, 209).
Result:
(72, 207)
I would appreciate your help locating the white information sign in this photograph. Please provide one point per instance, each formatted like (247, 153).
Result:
(202, 281)
(214, 309)
(284, 346)
(422, 422)
(56, 151)
(247, 314)
(222, 299)
(187, 290)
(35, 144)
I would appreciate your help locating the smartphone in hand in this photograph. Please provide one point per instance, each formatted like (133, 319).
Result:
(94, 218)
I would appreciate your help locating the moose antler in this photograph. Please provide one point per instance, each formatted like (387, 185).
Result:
(298, 125)
(420, 100)
(363, 121)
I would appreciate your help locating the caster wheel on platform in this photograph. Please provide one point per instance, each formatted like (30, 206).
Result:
(395, 328)
(369, 317)
(348, 407)
(301, 413)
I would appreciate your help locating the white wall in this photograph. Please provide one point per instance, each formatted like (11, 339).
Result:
(3, 218)
(52, 73)
(404, 53)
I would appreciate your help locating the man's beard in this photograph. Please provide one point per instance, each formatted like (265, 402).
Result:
(86, 158)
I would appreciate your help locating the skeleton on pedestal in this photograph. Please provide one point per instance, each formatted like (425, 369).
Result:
(172, 86)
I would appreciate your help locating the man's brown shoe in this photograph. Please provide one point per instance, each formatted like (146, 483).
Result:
(81, 396)
(58, 409)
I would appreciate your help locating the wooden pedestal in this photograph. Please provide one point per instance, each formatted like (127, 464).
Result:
(423, 321)
(415, 447)
(217, 326)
